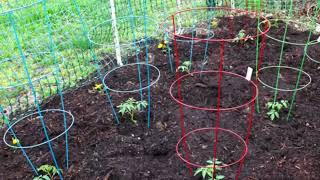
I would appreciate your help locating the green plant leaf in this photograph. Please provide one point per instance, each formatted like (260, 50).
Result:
(241, 34)
(271, 112)
(198, 171)
(45, 177)
(187, 64)
(272, 117)
(276, 114)
(204, 173)
(131, 106)
(185, 67)
(269, 105)
(278, 106)
(122, 111)
(210, 162)
(218, 162)
(48, 170)
(182, 68)
(141, 104)
(210, 172)
(218, 177)
(284, 103)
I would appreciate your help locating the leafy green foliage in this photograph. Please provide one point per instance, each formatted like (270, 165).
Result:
(242, 37)
(42, 177)
(162, 45)
(214, 23)
(185, 67)
(274, 108)
(131, 107)
(209, 172)
(47, 172)
(241, 34)
(98, 87)
(15, 141)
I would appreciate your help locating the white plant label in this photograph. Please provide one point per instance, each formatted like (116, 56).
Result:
(249, 73)
(318, 39)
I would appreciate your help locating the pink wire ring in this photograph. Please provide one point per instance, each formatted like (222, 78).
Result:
(252, 100)
(245, 150)
(164, 24)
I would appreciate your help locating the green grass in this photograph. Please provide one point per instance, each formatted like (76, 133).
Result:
(71, 47)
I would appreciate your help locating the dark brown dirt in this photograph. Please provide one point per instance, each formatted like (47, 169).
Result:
(100, 149)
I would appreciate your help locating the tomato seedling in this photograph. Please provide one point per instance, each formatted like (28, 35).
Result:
(210, 172)
(274, 108)
(185, 67)
(47, 172)
(132, 107)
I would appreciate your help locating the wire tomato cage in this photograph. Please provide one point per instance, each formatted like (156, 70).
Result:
(284, 72)
(180, 97)
(220, 28)
(31, 70)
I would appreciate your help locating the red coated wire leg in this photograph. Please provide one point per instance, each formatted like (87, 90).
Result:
(250, 118)
(176, 54)
(221, 62)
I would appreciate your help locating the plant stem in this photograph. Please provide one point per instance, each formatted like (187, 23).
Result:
(132, 116)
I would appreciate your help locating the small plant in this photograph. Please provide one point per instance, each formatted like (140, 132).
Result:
(163, 46)
(96, 88)
(15, 141)
(185, 67)
(214, 23)
(209, 171)
(47, 172)
(131, 107)
(242, 37)
(274, 108)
